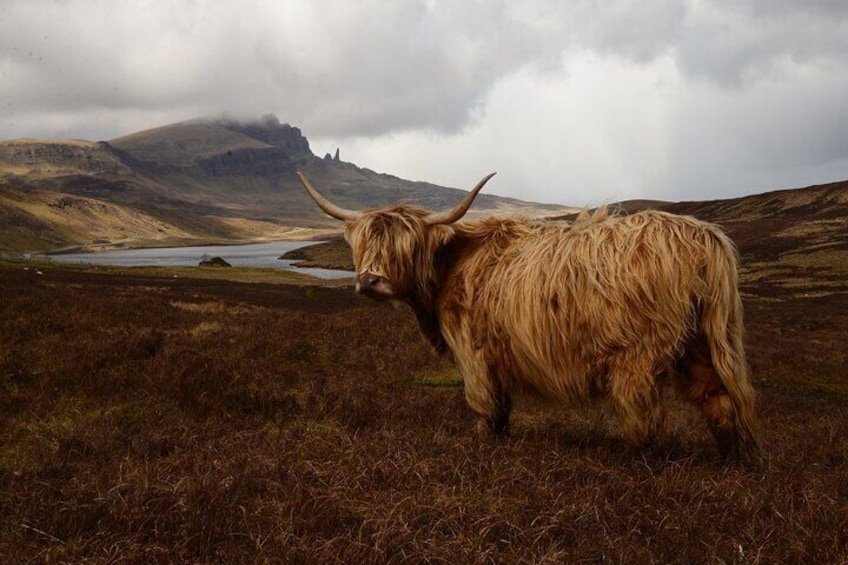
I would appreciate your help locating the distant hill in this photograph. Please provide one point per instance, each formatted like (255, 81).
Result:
(766, 225)
(789, 239)
(210, 180)
(792, 239)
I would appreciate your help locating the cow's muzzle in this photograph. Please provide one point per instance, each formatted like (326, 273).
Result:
(373, 286)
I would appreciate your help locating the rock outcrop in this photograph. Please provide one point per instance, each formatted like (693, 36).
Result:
(214, 262)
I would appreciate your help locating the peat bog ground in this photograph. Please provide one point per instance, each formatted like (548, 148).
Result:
(154, 419)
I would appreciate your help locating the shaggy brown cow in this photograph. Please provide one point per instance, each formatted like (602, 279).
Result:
(604, 306)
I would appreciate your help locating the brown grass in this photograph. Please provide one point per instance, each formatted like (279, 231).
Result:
(150, 419)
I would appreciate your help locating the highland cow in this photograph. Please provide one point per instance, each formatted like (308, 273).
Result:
(606, 305)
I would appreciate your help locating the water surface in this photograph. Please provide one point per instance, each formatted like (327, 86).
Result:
(250, 255)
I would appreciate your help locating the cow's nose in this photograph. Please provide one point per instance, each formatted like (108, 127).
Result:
(365, 282)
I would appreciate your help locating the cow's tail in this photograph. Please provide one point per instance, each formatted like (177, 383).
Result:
(722, 325)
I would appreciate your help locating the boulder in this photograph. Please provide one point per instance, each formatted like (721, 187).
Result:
(214, 262)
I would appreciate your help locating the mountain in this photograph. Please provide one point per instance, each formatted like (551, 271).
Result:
(223, 180)
(210, 180)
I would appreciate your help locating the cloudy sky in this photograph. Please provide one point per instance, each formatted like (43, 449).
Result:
(571, 101)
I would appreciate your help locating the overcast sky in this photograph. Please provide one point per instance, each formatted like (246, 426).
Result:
(576, 102)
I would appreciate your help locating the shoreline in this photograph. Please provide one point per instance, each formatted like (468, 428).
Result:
(316, 235)
(262, 254)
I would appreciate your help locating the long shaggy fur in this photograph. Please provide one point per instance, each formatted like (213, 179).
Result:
(604, 306)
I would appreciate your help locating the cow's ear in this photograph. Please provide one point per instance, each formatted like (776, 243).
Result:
(440, 235)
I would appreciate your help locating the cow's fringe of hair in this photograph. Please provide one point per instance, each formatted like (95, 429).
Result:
(402, 233)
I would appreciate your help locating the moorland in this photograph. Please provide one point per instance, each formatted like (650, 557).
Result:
(232, 416)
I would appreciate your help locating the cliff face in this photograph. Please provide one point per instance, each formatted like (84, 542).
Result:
(269, 130)
(286, 149)
(243, 162)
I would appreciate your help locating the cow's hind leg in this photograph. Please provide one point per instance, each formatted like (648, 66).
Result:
(638, 404)
(703, 386)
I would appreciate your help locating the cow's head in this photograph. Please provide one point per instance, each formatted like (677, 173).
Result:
(394, 247)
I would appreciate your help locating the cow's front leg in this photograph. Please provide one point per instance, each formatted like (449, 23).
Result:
(488, 396)
(496, 420)
(636, 395)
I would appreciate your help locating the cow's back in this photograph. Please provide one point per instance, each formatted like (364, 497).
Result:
(552, 305)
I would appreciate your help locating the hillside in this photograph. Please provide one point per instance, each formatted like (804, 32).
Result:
(211, 180)
(789, 239)
(35, 219)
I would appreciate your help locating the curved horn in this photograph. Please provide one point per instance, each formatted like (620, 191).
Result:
(450, 216)
(335, 211)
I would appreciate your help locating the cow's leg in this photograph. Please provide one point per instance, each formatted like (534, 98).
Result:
(488, 397)
(637, 399)
(703, 387)
(496, 421)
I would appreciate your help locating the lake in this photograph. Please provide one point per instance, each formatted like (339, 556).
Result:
(250, 255)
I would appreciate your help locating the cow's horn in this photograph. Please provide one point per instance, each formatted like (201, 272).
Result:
(335, 211)
(451, 216)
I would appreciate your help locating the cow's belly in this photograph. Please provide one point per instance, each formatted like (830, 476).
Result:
(554, 374)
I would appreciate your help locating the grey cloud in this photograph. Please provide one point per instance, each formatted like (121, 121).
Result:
(735, 43)
(372, 69)
(729, 42)
(369, 68)
(362, 68)
(640, 31)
